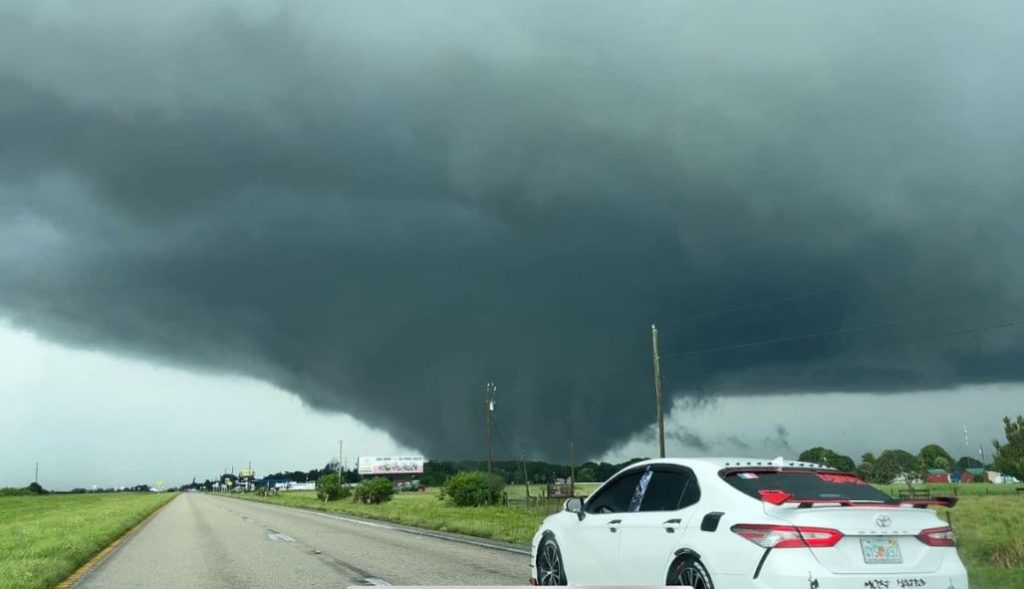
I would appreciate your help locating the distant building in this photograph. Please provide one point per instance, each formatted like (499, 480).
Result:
(1000, 478)
(937, 475)
(293, 486)
(979, 475)
(973, 475)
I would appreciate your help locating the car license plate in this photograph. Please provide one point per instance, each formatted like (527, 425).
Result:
(881, 550)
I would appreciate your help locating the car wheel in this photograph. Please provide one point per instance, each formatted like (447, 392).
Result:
(550, 567)
(692, 572)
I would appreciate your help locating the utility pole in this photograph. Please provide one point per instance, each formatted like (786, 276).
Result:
(658, 392)
(37, 473)
(491, 389)
(526, 479)
(572, 469)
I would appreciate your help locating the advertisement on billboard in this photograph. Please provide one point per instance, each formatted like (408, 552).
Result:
(391, 465)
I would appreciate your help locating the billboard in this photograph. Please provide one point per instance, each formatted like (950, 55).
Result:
(391, 464)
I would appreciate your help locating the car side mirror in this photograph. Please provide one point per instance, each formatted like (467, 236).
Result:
(575, 505)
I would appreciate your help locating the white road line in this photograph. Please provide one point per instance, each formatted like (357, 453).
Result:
(279, 537)
(378, 582)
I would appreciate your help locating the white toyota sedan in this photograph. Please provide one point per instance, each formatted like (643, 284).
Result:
(745, 523)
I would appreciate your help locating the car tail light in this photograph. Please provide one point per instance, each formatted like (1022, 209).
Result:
(767, 536)
(938, 536)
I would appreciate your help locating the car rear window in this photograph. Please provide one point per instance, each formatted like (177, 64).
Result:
(806, 485)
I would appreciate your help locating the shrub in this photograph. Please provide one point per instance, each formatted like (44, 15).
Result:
(470, 489)
(375, 490)
(330, 488)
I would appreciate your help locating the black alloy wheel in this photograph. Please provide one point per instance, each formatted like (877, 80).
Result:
(550, 569)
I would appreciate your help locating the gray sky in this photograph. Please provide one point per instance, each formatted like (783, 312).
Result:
(378, 207)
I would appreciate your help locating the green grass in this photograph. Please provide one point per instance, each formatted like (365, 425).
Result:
(990, 534)
(964, 490)
(519, 491)
(44, 538)
(990, 528)
(426, 510)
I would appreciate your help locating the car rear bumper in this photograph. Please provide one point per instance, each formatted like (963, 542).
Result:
(806, 573)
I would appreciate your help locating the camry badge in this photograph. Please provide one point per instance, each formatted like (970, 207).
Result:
(883, 521)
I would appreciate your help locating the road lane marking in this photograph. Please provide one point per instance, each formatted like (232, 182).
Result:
(378, 582)
(277, 536)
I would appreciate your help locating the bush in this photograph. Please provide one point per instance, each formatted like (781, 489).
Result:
(376, 490)
(330, 488)
(470, 489)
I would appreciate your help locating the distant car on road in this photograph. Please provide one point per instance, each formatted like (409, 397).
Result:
(743, 524)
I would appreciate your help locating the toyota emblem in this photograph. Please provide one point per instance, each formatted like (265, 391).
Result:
(883, 521)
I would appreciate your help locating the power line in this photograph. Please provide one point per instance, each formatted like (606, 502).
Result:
(941, 335)
(768, 303)
(795, 338)
(501, 440)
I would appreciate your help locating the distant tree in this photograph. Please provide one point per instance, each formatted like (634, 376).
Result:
(866, 468)
(827, 457)
(895, 463)
(966, 462)
(436, 472)
(330, 488)
(934, 456)
(375, 490)
(1009, 458)
(36, 488)
(586, 474)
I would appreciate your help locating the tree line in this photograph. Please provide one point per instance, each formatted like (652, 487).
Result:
(889, 465)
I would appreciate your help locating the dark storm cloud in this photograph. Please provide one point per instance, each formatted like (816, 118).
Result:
(381, 207)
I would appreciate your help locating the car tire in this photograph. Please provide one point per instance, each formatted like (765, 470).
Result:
(550, 566)
(689, 570)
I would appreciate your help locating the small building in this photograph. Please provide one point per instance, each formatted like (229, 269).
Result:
(1000, 478)
(979, 475)
(973, 475)
(937, 475)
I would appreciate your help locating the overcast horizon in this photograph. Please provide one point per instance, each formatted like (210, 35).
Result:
(245, 229)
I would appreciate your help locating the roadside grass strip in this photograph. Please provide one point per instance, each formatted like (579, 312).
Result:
(46, 538)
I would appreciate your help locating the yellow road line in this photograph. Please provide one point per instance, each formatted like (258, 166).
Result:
(103, 554)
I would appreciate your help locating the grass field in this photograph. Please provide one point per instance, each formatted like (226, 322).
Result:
(990, 533)
(426, 510)
(969, 490)
(990, 525)
(44, 538)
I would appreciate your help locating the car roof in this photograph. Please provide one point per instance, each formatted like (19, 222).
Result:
(733, 462)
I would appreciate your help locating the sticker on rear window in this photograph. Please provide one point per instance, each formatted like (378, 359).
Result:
(747, 475)
(847, 479)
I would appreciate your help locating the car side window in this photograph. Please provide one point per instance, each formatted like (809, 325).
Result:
(670, 490)
(614, 498)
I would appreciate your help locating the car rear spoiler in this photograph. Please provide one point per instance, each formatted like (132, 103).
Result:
(777, 497)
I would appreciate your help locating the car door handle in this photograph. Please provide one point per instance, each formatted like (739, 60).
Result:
(671, 525)
(613, 525)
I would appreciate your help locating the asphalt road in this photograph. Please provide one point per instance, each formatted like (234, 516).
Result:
(207, 541)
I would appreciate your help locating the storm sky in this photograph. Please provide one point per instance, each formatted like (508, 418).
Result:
(380, 206)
